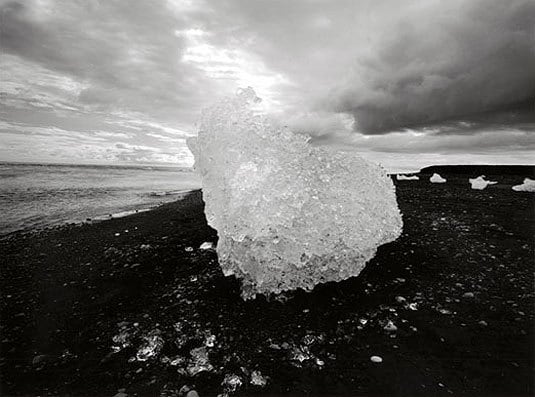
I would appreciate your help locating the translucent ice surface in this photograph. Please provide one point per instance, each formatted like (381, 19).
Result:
(436, 178)
(480, 183)
(288, 214)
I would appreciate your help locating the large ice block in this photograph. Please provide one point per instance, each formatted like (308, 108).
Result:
(288, 214)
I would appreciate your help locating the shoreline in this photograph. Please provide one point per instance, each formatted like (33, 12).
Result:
(88, 312)
(99, 218)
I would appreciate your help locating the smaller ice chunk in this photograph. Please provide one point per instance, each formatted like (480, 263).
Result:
(407, 178)
(207, 246)
(257, 379)
(436, 178)
(527, 186)
(199, 361)
(480, 183)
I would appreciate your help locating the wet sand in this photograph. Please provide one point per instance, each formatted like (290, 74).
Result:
(134, 304)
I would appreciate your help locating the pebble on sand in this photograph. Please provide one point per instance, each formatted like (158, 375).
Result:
(400, 299)
(376, 359)
(390, 327)
(39, 359)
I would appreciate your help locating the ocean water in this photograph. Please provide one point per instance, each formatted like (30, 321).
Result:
(35, 196)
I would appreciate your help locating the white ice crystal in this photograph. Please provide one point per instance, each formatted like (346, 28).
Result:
(407, 178)
(288, 214)
(152, 344)
(257, 379)
(480, 183)
(231, 383)
(198, 361)
(527, 186)
(436, 178)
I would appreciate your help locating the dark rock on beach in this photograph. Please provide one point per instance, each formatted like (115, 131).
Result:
(133, 306)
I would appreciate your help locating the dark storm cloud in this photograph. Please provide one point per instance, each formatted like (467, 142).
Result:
(390, 65)
(454, 61)
(393, 64)
(414, 76)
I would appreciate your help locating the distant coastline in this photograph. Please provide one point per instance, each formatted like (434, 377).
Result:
(504, 169)
(474, 170)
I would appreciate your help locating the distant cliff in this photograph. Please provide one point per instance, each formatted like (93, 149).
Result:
(476, 170)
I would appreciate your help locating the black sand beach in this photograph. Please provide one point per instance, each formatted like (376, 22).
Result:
(458, 288)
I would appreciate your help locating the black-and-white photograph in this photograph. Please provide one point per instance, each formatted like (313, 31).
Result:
(225, 198)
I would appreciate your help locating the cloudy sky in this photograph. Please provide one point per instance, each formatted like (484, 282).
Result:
(405, 83)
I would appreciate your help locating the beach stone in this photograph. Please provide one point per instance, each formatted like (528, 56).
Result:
(400, 299)
(39, 359)
(112, 251)
(288, 214)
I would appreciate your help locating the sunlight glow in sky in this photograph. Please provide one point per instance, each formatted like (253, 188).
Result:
(405, 84)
